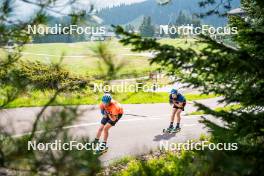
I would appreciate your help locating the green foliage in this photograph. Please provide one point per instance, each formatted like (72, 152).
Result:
(41, 97)
(235, 73)
(15, 79)
(167, 165)
(184, 19)
(16, 156)
(228, 108)
(160, 14)
(80, 59)
(107, 64)
(130, 28)
(153, 97)
(45, 76)
(146, 29)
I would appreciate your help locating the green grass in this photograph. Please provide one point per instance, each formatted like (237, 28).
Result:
(135, 65)
(40, 98)
(197, 113)
(181, 42)
(161, 97)
(225, 108)
(229, 108)
(80, 59)
(88, 65)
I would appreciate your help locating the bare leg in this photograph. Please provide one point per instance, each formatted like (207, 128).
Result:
(178, 115)
(106, 130)
(99, 132)
(173, 114)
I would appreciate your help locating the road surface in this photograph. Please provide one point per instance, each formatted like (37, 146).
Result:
(134, 134)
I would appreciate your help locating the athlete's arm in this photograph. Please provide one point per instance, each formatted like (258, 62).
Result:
(171, 100)
(179, 104)
(113, 117)
(103, 111)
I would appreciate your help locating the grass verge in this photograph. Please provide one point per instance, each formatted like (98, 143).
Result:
(226, 109)
(40, 98)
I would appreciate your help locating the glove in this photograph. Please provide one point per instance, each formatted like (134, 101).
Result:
(178, 104)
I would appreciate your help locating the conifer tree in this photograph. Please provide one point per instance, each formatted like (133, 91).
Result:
(235, 73)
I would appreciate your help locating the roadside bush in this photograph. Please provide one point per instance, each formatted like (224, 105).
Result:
(169, 164)
(47, 76)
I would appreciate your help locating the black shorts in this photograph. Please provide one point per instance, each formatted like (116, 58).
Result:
(182, 108)
(108, 120)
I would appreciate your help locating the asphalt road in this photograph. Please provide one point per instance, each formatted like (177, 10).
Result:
(139, 130)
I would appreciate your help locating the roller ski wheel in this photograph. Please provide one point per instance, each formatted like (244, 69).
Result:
(175, 130)
(100, 151)
(167, 130)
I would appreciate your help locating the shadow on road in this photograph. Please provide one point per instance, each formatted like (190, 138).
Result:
(165, 136)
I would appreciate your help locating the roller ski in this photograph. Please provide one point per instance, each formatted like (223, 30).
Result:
(176, 130)
(101, 149)
(171, 130)
(167, 130)
(100, 152)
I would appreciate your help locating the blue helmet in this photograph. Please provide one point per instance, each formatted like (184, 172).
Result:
(106, 98)
(174, 91)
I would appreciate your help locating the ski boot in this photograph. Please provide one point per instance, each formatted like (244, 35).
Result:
(101, 149)
(168, 130)
(176, 129)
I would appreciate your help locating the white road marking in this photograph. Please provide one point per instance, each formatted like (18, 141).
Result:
(189, 125)
(81, 125)
(98, 123)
